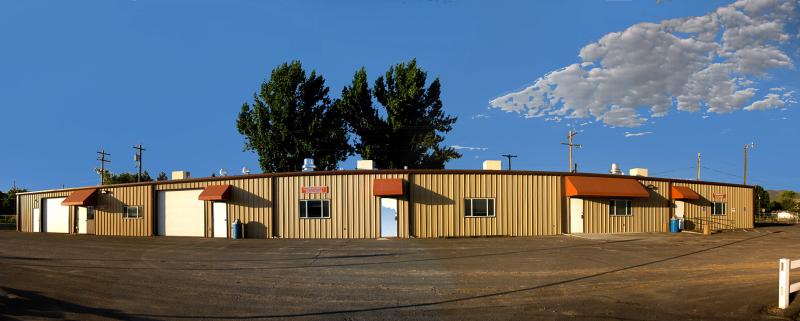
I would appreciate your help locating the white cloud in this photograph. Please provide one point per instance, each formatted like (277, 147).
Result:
(478, 116)
(770, 102)
(469, 148)
(629, 134)
(706, 63)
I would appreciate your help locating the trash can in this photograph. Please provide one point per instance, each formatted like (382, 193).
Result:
(673, 225)
(236, 229)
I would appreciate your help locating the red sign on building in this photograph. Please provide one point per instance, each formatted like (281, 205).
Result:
(719, 196)
(314, 189)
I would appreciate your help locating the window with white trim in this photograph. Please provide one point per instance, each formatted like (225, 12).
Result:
(718, 208)
(479, 207)
(620, 208)
(315, 208)
(131, 212)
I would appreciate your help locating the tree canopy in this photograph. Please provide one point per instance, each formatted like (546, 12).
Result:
(411, 133)
(8, 200)
(292, 118)
(121, 178)
(762, 198)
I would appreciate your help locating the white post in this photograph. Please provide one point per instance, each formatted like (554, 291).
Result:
(783, 283)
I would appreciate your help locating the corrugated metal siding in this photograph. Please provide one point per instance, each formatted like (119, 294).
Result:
(110, 206)
(648, 215)
(699, 212)
(525, 205)
(354, 212)
(30, 201)
(251, 203)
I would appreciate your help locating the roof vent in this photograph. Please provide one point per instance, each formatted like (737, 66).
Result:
(180, 175)
(492, 165)
(365, 164)
(638, 172)
(308, 165)
(615, 169)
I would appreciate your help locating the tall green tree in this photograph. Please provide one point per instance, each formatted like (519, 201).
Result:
(788, 200)
(292, 118)
(8, 200)
(761, 198)
(412, 131)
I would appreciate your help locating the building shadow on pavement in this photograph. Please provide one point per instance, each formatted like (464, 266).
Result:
(29, 304)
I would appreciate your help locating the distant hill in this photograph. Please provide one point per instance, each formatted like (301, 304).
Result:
(775, 194)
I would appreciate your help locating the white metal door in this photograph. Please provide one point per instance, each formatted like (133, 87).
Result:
(680, 209)
(220, 219)
(82, 216)
(56, 216)
(37, 220)
(181, 213)
(388, 217)
(576, 215)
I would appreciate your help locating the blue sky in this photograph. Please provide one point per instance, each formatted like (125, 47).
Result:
(172, 75)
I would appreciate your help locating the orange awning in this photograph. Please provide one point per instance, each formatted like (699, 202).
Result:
(216, 193)
(388, 187)
(84, 197)
(587, 186)
(684, 193)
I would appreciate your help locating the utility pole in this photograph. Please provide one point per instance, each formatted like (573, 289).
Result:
(747, 147)
(698, 166)
(571, 134)
(509, 156)
(138, 159)
(101, 156)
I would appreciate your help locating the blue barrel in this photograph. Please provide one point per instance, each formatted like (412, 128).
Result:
(674, 225)
(236, 229)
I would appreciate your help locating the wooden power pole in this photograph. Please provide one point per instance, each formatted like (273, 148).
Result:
(747, 147)
(138, 159)
(569, 143)
(698, 166)
(509, 156)
(101, 156)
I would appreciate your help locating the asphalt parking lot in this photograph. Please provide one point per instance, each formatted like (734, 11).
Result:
(731, 275)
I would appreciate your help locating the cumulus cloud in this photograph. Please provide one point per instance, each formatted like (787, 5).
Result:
(710, 63)
(629, 134)
(469, 148)
(772, 101)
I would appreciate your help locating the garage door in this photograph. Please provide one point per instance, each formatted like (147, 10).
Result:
(55, 216)
(180, 213)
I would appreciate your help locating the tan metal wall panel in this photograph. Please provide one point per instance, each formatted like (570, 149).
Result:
(354, 212)
(525, 205)
(109, 218)
(30, 201)
(648, 214)
(739, 202)
(251, 203)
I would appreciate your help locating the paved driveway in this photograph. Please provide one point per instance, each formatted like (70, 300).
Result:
(731, 275)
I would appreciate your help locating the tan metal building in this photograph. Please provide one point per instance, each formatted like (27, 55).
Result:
(389, 203)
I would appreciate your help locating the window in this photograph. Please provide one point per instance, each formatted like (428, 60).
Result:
(719, 209)
(132, 212)
(478, 207)
(620, 208)
(90, 212)
(315, 208)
